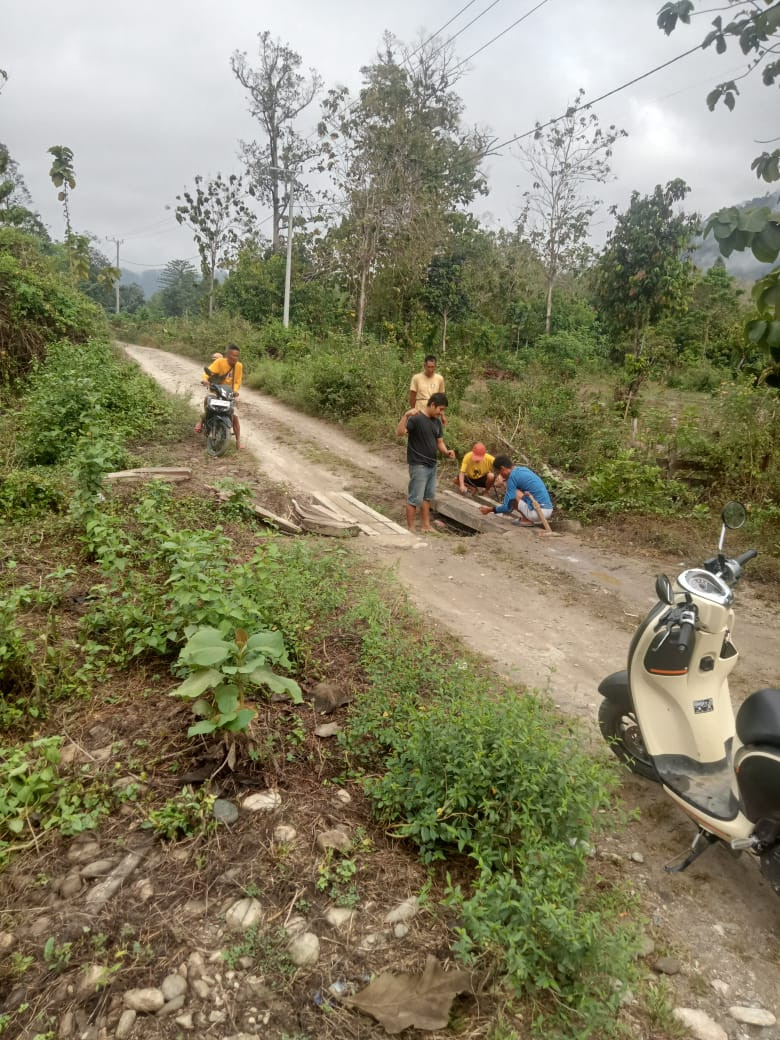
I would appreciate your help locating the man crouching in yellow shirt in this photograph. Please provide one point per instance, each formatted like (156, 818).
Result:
(230, 371)
(476, 471)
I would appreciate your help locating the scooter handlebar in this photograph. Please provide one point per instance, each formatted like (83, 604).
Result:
(746, 556)
(684, 636)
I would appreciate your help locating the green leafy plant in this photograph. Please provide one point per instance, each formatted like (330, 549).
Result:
(187, 814)
(228, 669)
(57, 955)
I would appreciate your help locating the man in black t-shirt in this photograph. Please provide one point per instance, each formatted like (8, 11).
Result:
(425, 438)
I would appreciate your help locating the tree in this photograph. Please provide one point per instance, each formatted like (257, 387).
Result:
(757, 31)
(562, 159)
(215, 212)
(180, 292)
(444, 294)
(645, 271)
(15, 199)
(279, 93)
(76, 246)
(401, 164)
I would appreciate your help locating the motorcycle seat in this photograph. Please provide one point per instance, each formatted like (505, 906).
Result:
(758, 718)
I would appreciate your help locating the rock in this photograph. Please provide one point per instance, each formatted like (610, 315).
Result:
(185, 1022)
(215, 1017)
(244, 914)
(700, 1024)
(7, 942)
(666, 966)
(304, 949)
(256, 989)
(201, 989)
(400, 931)
(144, 890)
(328, 729)
(147, 1001)
(752, 1016)
(194, 908)
(296, 925)
(173, 986)
(262, 801)
(646, 946)
(339, 917)
(170, 1007)
(71, 884)
(40, 927)
(720, 987)
(328, 697)
(67, 1026)
(404, 911)
(637, 857)
(566, 526)
(195, 965)
(284, 834)
(225, 811)
(92, 977)
(126, 1023)
(99, 868)
(334, 839)
(83, 852)
(343, 796)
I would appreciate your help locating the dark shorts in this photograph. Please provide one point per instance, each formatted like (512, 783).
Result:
(479, 482)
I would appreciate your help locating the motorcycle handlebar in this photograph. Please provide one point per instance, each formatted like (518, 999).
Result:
(745, 556)
(684, 636)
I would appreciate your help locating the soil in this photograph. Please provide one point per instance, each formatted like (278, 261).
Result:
(555, 615)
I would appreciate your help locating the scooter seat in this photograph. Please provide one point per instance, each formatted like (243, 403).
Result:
(758, 719)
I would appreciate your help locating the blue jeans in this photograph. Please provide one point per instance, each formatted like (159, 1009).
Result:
(422, 484)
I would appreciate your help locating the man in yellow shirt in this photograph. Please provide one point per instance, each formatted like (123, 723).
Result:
(476, 471)
(424, 384)
(229, 371)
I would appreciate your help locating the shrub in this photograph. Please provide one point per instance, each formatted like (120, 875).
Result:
(31, 492)
(626, 485)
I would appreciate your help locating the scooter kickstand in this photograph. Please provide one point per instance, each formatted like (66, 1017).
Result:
(700, 844)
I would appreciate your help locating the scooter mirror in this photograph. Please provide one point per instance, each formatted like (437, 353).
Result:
(664, 590)
(734, 515)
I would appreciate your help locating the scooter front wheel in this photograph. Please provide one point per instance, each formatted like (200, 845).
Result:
(621, 731)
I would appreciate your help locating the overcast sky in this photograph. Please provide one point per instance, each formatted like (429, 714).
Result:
(144, 96)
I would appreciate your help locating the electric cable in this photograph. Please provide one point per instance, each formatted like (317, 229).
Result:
(484, 46)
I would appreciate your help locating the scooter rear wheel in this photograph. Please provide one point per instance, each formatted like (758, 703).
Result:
(216, 437)
(621, 731)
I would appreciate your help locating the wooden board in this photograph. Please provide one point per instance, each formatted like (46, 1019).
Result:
(319, 521)
(173, 474)
(280, 522)
(461, 508)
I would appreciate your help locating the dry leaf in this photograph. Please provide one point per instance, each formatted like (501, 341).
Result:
(423, 1001)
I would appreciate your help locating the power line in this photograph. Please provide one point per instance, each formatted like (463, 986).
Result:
(468, 25)
(595, 101)
(522, 18)
(442, 27)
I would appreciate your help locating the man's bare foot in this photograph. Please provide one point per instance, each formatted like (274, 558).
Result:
(426, 530)
(198, 427)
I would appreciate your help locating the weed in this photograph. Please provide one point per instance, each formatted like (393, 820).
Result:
(267, 949)
(19, 963)
(57, 955)
(183, 816)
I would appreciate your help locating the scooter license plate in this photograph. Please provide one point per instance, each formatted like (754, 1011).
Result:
(218, 405)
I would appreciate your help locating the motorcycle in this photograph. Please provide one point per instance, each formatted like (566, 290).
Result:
(669, 716)
(218, 422)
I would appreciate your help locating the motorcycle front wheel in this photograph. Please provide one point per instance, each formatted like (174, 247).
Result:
(621, 731)
(216, 437)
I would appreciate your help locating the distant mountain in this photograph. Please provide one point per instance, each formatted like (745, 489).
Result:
(149, 280)
(741, 265)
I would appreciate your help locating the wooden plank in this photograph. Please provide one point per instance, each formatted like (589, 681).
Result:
(172, 474)
(324, 500)
(383, 522)
(284, 525)
(318, 523)
(462, 509)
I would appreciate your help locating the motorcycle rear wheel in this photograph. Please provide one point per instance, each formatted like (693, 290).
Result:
(216, 437)
(621, 731)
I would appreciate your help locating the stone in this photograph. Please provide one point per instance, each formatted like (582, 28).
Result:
(720, 987)
(144, 889)
(327, 729)
(215, 1017)
(752, 1016)
(328, 697)
(185, 1022)
(343, 796)
(98, 868)
(700, 1024)
(400, 931)
(405, 911)
(7, 942)
(83, 852)
(125, 1024)
(201, 989)
(339, 917)
(304, 949)
(170, 1007)
(334, 839)
(646, 946)
(195, 965)
(92, 977)
(262, 801)
(666, 966)
(637, 857)
(67, 1026)
(243, 914)
(296, 925)
(147, 1001)
(194, 908)
(70, 885)
(173, 986)
(40, 927)
(285, 834)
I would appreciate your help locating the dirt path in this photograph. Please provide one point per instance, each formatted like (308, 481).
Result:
(556, 615)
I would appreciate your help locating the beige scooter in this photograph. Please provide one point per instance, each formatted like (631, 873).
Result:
(669, 715)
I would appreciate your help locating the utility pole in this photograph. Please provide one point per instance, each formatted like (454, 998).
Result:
(290, 179)
(119, 242)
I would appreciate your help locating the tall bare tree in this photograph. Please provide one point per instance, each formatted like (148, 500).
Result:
(562, 160)
(278, 93)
